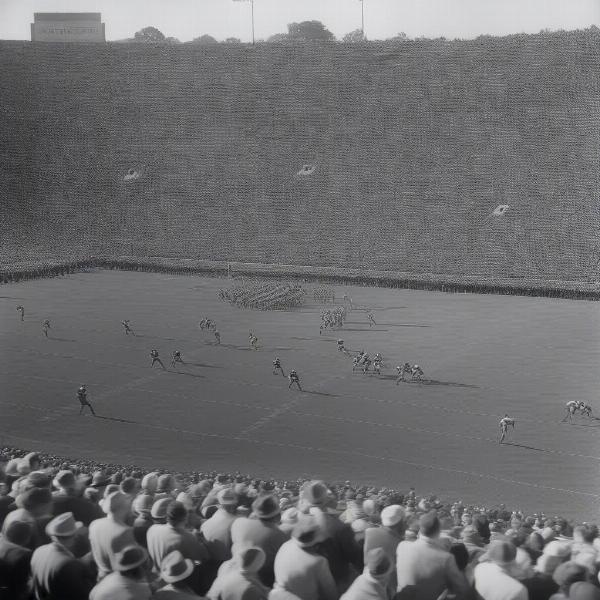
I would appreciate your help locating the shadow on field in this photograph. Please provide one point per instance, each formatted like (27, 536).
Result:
(320, 393)
(116, 419)
(403, 325)
(203, 365)
(526, 447)
(444, 383)
(188, 374)
(367, 329)
(59, 339)
(596, 425)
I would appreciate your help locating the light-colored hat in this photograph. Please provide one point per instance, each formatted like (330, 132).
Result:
(115, 502)
(150, 482)
(558, 549)
(63, 526)
(316, 493)
(129, 558)
(64, 479)
(378, 562)
(186, 500)
(392, 515)
(175, 567)
(290, 515)
(159, 508)
(360, 525)
(227, 497)
(142, 504)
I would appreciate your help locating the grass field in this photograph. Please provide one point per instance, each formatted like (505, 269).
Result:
(482, 356)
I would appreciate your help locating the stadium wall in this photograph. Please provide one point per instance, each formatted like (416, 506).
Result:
(414, 144)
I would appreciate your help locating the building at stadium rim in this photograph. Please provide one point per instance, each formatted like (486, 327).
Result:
(67, 27)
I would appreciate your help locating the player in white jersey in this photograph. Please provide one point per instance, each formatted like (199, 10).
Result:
(505, 423)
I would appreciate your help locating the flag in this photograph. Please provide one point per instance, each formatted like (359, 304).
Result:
(500, 210)
(307, 170)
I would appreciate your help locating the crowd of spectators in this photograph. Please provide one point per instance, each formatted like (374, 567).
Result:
(78, 530)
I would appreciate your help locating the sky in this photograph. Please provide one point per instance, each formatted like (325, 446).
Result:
(187, 19)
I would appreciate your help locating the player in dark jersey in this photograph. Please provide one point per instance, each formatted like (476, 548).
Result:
(83, 400)
(217, 337)
(176, 358)
(277, 367)
(293, 377)
(156, 358)
(371, 319)
(21, 309)
(46, 326)
(127, 327)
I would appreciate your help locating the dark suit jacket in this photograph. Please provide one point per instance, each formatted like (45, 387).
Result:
(14, 570)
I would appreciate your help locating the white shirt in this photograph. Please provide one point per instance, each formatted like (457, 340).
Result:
(493, 583)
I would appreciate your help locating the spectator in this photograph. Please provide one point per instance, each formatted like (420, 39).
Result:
(150, 483)
(128, 580)
(541, 584)
(35, 506)
(142, 507)
(373, 584)
(164, 539)
(424, 570)
(176, 572)
(15, 559)
(217, 529)
(262, 532)
(299, 569)
(66, 499)
(289, 520)
(339, 546)
(240, 581)
(582, 590)
(493, 580)
(55, 571)
(565, 575)
(110, 535)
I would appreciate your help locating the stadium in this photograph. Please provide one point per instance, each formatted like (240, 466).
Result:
(442, 195)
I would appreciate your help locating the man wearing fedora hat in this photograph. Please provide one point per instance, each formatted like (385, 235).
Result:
(240, 581)
(164, 539)
(111, 534)
(300, 569)
(263, 532)
(492, 578)
(175, 571)
(424, 569)
(372, 584)
(15, 559)
(217, 529)
(66, 499)
(128, 580)
(55, 572)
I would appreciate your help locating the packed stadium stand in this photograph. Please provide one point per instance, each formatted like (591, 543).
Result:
(79, 529)
(390, 156)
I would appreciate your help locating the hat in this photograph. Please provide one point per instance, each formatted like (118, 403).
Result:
(568, 572)
(64, 479)
(11, 467)
(39, 479)
(582, 590)
(99, 479)
(547, 533)
(116, 478)
(307, 532)
(63, 526)
(250, 558)
(316, 493)
(501, 552)
(92, 494)
(129, 558)
(265, 507)
(19, 532)
(199, 490)
(165, 483)
(115, 502)
(392, 515)
(175, 567)
(159, 508)
(34, 498)
(227, 497)
(429, 524)
(186, 500)
(129, 485)
(558, 549)
(378, 562)
(142, 504)
(176, 511)
(470, 535)
(150, 482)
(23, 467)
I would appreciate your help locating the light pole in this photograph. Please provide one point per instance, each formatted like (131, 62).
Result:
(362, 14)
(252, 13)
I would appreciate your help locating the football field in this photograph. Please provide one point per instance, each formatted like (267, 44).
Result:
(482, 355)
